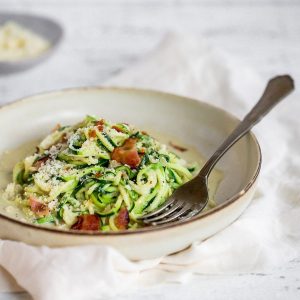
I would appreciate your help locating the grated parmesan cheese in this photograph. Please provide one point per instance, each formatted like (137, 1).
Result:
(17, 42)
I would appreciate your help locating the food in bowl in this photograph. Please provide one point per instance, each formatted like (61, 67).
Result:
(18, 42)
(96, 175)
(192, 124)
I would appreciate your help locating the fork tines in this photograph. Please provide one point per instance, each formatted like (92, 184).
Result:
(171, 211)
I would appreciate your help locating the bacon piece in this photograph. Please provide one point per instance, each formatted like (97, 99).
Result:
(64, 138)
(92, 134)
(87, 222)
(100, 124)
(117, 128)
(57, 127)
(37, 207)
(142, 150)
(122, 219)
(37, 164)
(98, 175)
(179, 148)
(127, 154)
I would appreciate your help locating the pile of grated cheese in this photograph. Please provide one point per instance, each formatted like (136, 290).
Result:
(17, 42)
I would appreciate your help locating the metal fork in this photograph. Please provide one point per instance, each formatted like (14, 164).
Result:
(192, 197)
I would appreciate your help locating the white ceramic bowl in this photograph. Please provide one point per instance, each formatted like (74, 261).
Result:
(192, 121)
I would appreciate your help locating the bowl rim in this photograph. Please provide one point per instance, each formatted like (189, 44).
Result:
(44, 54)
(149, 229)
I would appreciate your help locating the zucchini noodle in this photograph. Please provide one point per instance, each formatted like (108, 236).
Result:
(97, 176)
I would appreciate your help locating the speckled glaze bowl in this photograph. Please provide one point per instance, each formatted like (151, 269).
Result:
(44, 27)
(192, 121)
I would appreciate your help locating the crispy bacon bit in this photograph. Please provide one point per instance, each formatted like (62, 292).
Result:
(87, 222)
(122, 219)
(144, 133)
(37, 164)
(98, 174)
(117, 128)
(37, 207)
(142, 150)
(92, 134)
(100, 124)
(63, 138)
(57, 127)
(179, 148)
(127, 154)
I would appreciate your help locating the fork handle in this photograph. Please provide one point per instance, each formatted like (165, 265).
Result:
(276, 89)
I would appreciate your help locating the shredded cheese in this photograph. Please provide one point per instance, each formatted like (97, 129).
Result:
(17, 42)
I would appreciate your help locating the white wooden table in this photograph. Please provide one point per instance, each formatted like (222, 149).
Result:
(102, 37)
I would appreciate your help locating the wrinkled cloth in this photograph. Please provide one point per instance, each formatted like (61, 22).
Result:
(263, 238)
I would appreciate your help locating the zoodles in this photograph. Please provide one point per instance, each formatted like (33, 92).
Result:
(96, 175)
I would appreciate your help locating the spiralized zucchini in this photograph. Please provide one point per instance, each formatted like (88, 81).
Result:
(97, 176)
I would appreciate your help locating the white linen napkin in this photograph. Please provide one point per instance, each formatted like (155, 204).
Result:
(263, 238)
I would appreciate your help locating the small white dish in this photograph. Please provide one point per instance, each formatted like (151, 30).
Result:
(44, 27)
(195, 123)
